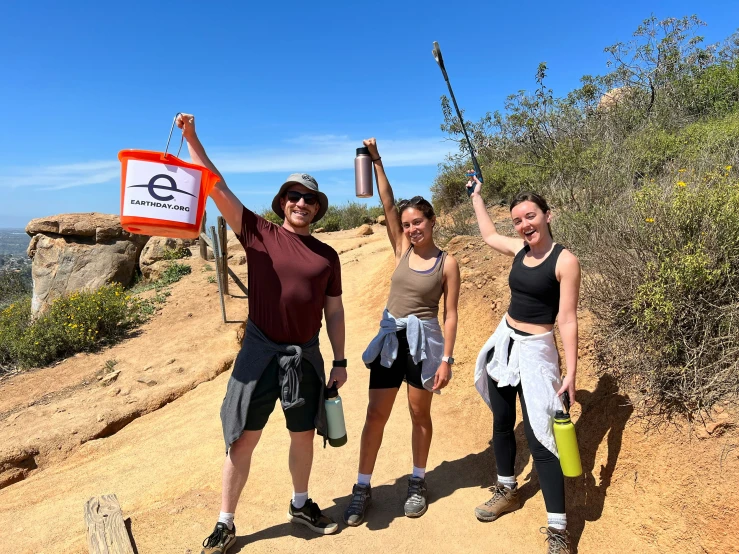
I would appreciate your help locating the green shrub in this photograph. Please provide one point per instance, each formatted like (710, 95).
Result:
(664, 282)
(269, 215)
(176, 253)
(80, 322)
(14, 285)
(174, 272)
(338, 217)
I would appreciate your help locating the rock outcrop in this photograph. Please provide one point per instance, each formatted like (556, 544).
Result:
(79, 251)
(154, 257)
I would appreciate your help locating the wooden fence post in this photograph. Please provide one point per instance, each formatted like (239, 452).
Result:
(223, 238)
(216, 252)
(203, 245)
(106, 530)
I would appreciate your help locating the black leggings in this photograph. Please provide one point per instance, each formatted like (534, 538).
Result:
(503, 402)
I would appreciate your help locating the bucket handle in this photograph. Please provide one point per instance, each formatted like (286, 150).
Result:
(182, 139)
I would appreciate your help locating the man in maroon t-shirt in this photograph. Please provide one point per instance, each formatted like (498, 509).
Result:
(294, 279)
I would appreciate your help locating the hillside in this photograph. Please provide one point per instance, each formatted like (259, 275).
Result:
(153, 437)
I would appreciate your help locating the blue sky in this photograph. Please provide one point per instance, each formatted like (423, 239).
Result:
(276, 87)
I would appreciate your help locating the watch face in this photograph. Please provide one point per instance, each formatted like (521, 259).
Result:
(449, 360)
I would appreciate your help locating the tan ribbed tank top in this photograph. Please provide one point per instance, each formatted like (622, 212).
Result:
(416, 293)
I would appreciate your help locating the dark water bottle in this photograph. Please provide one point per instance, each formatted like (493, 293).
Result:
(363, 173)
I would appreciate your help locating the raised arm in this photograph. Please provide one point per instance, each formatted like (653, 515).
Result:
(568, 273)
(392, 220)
(505, 245)
(226, 201)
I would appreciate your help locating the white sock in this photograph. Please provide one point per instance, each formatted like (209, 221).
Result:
(228, 519)
(557, 521)
(419, 472)
(299, 499)
(364, 478)
(507, 482)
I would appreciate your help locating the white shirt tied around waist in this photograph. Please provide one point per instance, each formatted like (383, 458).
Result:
(534, 362)
(425, 341)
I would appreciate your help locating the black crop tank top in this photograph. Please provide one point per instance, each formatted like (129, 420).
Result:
(534, 290)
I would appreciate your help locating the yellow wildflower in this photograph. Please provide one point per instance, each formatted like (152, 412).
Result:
(649, 220)
(681, 170)
(681, 184)
(728, 168)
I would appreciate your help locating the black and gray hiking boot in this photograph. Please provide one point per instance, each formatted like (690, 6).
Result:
(361, 500)
(415, 505)
(221, 539)
(310, 515)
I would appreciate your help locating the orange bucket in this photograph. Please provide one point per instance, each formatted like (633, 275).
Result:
(161, 195)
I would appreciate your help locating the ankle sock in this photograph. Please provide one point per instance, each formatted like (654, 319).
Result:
(557, 521)
(419, 472)
(507, 482)
(364, 478)
(299, 499)
(226, 518)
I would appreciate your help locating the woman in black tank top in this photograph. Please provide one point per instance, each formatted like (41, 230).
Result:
(545, 284)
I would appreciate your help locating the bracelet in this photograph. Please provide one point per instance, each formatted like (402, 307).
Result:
(377, 159)
(339, 363)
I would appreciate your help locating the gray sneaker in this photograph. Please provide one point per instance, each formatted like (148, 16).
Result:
(415, 505)
(361, 500)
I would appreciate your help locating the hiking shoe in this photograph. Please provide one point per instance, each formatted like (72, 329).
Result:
(221, 539)
(503, 500)
(361, 500)
(559, 540)
(310, 515)
(415, 505)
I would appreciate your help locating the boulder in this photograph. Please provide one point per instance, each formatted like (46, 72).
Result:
(364, 230)
(100, 227)
(236, 253)
(612, 98)
(381, 220)
(153, 259)
(319, 230)
(83, 251)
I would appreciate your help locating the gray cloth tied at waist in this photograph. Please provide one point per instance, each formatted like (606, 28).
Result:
(257, 351)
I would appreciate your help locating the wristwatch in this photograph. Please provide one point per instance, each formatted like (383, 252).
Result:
(447, 359)
(339, 363)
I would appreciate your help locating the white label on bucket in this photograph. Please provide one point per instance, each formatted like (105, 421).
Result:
(161, 191)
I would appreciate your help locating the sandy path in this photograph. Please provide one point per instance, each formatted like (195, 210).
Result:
(165, 468)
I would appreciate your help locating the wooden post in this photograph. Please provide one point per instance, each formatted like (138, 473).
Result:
(216, 252)
(205, 238)
(223, 238)
(203, 246)
(106, 530)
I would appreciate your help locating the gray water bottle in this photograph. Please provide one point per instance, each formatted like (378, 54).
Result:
(335, 417)
(363, 173)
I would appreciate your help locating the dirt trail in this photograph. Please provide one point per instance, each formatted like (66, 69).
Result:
(640, 493)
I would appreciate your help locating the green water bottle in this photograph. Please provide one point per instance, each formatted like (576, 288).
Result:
(566, 439)
(335, 417)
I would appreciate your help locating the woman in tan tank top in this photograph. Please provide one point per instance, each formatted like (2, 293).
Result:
(409, 346)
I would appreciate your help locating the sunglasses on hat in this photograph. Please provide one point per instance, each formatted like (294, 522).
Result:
(295, 196)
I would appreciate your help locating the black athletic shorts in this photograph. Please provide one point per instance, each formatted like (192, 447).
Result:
(267, 393)
(403, 369)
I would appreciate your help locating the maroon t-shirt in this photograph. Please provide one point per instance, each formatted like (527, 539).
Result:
(290, 276)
